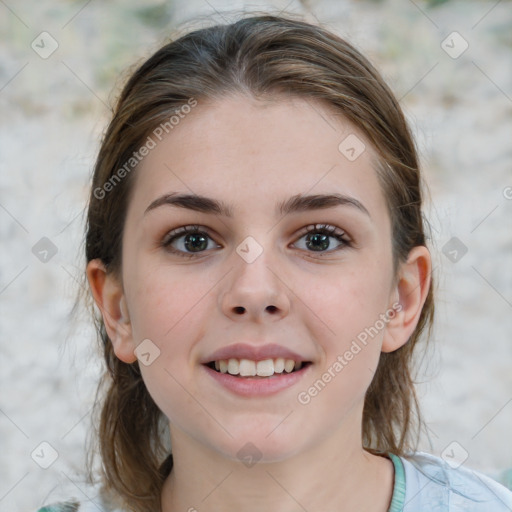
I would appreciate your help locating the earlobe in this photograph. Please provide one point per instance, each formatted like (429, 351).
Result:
(411, 290)
(109, 297)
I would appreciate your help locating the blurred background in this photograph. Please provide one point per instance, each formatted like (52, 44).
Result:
(61, 67)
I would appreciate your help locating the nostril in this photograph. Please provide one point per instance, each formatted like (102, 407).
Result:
(239, 309)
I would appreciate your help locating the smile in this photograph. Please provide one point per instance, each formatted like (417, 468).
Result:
(257, 378)
(249, 368)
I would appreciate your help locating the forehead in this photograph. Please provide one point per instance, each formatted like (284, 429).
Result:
(251, 154)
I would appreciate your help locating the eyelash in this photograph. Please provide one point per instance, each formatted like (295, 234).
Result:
(326, 229)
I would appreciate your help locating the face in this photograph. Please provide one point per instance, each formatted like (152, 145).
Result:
(256, 276)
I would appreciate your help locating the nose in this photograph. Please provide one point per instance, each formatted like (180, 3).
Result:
(255, 291)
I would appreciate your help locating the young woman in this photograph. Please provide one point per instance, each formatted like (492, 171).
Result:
(256, 248)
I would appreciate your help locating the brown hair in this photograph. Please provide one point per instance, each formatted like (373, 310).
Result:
(258, 55)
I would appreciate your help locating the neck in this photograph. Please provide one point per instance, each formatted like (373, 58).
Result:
(320, 478)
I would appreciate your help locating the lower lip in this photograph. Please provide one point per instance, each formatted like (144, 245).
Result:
(251, 387)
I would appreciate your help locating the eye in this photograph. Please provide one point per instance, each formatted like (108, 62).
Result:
(317, 238)
(188, 241)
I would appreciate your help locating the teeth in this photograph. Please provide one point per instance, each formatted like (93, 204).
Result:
(289, 365)
(279, 365)
(246, 368)
(265, 368)
(223, 366)
(233, 367)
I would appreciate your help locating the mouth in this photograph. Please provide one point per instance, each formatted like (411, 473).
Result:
(263, 369)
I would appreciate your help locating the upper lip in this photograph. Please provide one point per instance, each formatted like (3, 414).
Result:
(253, 353)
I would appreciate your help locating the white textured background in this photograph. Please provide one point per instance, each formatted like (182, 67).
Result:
(53, 112)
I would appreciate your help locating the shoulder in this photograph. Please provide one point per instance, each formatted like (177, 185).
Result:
(64, 506)
(77, 506)
(431, 482)
(94, 498)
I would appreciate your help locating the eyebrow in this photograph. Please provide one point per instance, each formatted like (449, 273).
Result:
(294, 204)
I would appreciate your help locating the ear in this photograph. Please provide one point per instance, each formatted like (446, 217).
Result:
(409, 295)
(109, 297)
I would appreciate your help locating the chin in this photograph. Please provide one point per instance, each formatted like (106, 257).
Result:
(257, 447)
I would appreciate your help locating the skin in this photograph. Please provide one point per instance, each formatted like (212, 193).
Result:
(252, 154)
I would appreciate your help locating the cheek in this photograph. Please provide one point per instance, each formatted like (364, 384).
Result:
(344, 325)
(347, 303)
(163, 303)
(350, 307)
(165, 309)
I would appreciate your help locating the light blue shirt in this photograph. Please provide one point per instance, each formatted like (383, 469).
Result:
(423, 483)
